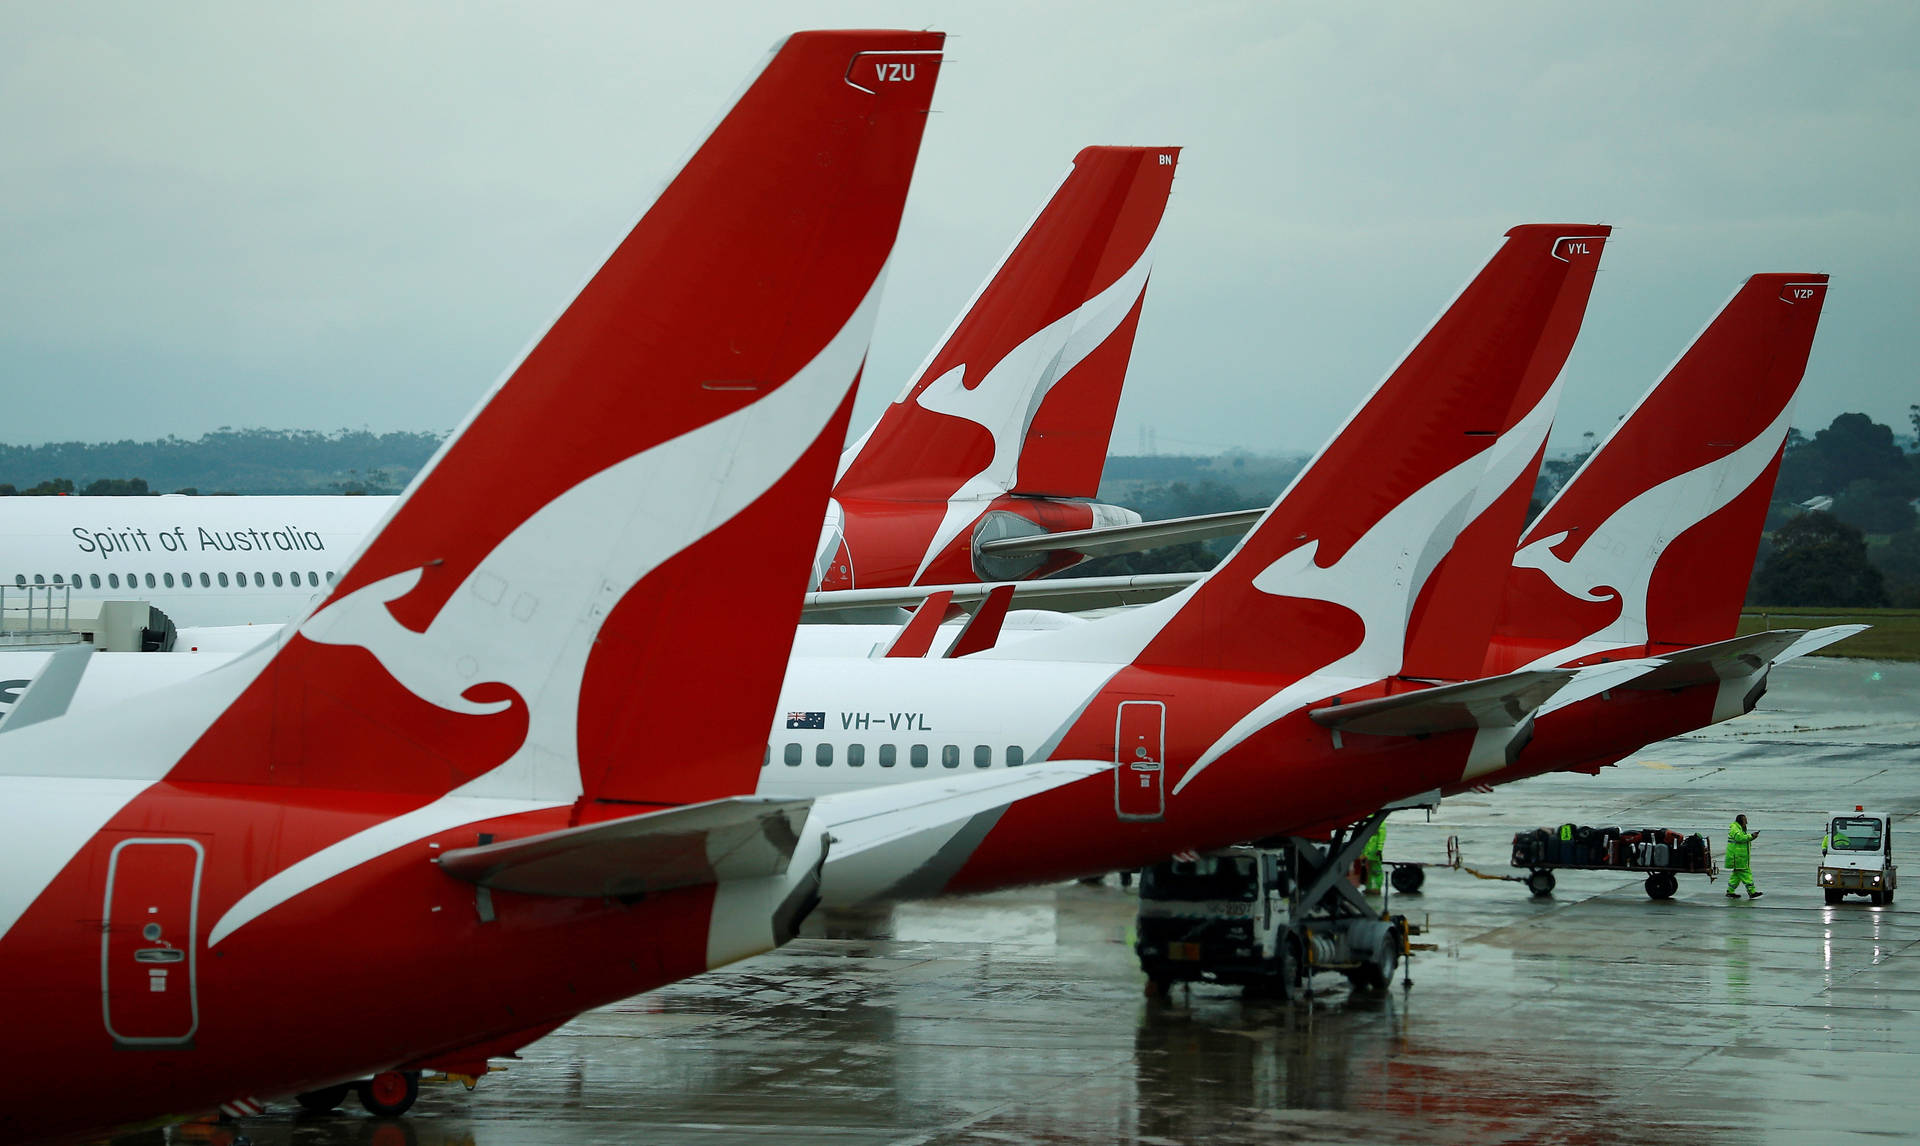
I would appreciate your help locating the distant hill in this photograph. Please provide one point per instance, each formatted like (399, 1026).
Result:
(230, 461)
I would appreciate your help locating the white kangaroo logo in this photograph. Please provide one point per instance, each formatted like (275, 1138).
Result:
(565, 566)
(1618, 560)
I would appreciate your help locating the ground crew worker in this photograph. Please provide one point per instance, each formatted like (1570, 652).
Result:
(1376, 867)
(1740, 859)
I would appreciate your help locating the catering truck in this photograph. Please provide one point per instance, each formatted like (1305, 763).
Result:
(1856, 857)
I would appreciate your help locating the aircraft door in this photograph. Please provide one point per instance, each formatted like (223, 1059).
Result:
(1139, 781)
(147, 942)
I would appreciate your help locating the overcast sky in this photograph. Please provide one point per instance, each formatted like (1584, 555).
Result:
(317, 216)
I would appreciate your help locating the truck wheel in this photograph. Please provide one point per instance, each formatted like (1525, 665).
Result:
(1834, 896)
(1540, 883)
(1886, 897)
(1407, 878)
(1875, 898)
(389, 1094)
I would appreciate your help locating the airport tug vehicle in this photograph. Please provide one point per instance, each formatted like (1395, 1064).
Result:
(1856, 857)
(1267, 917)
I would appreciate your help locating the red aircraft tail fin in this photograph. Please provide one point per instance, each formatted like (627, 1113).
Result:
(1652, 542)
(621, 533)
(1019, 396)
(1383, 543)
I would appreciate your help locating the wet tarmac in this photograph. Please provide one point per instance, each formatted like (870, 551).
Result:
(1595, 1016)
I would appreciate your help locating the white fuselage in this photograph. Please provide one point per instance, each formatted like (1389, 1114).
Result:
(200, 560)
(909, 719)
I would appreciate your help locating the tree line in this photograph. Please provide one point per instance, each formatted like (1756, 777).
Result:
(224, 461)
(1860, 551)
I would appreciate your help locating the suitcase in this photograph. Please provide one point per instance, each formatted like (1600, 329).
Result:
(1662, 855)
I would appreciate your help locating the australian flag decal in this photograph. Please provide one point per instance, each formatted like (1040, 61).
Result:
(807, 720)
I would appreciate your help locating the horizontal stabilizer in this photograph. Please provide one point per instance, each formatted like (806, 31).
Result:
(719, 841)
(1497, 702)
(1722, 660)
(52, 689)
(1063, 594)
(1596, 679)
(1818, 639)
(1108, 540)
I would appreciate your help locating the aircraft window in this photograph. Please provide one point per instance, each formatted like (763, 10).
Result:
(329, 576)
(1015, 756)
(223, 580)
(113, 580)
(888, 755)
(39, 578)
(58, 581)
(259, 581)
(792, 755)
(950, 756)
(168, 579)
(276, 579)
(823, 755)
(20, 580)
(204, 583)
(856, 755)
(94, 580)
(313, 579)
(982, 756)
(151, 583)
(76, 581)
(918, 756)
(766, 756)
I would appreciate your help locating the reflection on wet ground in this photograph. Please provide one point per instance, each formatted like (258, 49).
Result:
(1596, 1016)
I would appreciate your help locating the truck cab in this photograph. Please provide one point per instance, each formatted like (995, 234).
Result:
(1856, 857)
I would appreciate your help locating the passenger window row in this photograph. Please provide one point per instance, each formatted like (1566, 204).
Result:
(889, 754)
(166, 580)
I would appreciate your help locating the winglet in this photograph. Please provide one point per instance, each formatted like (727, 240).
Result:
(916, 636)
(983, 628)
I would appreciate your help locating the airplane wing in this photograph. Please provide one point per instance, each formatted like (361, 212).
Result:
(741, 837)
(1066, 594)
(1108, 540)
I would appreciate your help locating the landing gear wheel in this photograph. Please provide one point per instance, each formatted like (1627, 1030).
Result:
(1662, 885)
(325, 1099)
(1407, 878)
(1835, 896)
(1540, 883)
(390, 1093)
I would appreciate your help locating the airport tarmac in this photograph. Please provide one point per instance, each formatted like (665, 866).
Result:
(1595, 1016)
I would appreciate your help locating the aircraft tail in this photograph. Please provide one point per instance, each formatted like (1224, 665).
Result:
(1019, 396)
(621, 532)
(1383, 556)
(1653, 540)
